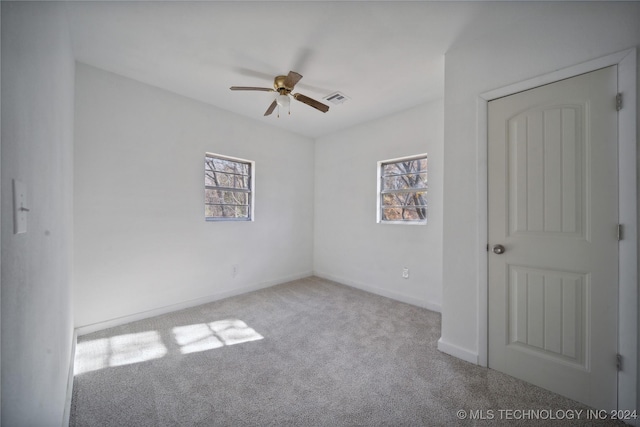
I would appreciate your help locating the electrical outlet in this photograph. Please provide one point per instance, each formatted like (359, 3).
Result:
(405, 273)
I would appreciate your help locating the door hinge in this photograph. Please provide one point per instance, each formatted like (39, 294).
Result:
(619, 361)
(620, 232)
(619, 102)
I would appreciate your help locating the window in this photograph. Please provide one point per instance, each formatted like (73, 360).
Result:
(228, 188)
(402, 190)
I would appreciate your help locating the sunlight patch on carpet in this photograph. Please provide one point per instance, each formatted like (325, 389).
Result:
(207, 336)
(118, 351)
(126, 349)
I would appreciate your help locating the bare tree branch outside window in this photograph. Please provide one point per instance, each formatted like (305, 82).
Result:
(227, 188)
(403, 190)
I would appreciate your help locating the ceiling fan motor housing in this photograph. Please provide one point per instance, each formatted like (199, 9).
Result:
(279, 85)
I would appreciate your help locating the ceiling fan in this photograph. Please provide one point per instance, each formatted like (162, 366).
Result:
(284, 85)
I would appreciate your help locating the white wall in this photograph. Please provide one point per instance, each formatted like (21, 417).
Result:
(533, 39)
(141, 241)
(349, 246)
(0, 213)
(37, 148)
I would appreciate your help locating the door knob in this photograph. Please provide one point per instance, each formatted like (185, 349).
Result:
(498, 249)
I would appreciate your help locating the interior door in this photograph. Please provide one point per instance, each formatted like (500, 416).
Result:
(553, 245)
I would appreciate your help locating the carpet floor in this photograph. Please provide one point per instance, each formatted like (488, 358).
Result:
(306, 353)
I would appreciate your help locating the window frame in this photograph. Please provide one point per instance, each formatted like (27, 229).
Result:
(380, 191)
(250, 190)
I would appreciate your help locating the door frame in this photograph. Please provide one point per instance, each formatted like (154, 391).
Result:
(627, 178)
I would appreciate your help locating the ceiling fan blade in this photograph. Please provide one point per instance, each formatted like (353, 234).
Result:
(311, 102)
(292, 79)
(271, 108)
(265, 89)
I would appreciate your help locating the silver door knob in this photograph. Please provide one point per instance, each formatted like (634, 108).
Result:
(498, 249)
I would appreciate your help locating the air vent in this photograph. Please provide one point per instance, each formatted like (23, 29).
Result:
(337, 98)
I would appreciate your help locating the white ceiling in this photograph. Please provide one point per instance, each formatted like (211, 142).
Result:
(386, 56)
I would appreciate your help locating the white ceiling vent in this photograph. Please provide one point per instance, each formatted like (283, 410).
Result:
(337, 98)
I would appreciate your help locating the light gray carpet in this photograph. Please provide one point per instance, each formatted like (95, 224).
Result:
(329, 355)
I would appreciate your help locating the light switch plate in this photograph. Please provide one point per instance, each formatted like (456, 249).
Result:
(19, 206)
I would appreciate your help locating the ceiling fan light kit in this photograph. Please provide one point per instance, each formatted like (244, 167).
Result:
(283, 102)
(284, 85)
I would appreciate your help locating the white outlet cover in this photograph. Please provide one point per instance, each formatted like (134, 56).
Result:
(19, 206)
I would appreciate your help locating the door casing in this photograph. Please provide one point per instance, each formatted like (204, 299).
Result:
(628, 272)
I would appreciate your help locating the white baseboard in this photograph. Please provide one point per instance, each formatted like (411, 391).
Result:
(458, 352)
(87, 329)
(382, 292)
(66, 416)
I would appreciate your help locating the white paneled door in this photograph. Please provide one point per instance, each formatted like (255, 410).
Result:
(553, 244)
